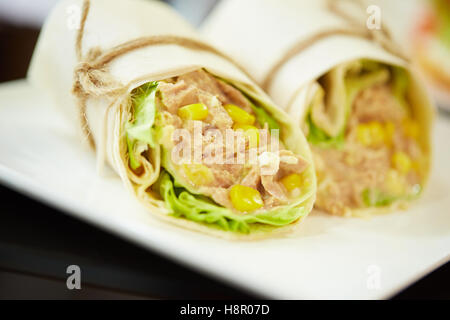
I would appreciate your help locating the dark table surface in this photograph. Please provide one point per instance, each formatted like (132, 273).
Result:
(37, 243)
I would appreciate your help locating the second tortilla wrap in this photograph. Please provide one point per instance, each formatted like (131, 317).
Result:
(365, 114)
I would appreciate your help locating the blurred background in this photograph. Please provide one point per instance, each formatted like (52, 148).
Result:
(37, 242)
(21, 20)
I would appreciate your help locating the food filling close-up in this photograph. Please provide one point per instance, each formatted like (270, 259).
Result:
(365, 138)
(222, 160)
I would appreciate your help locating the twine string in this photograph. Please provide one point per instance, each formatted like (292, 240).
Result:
(382, 36)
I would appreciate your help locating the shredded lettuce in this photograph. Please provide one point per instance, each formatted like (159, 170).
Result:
(319, 138)
(134, 162)
(140, 130)
(263, 117)
(400, 83)
(201, 209)
(377, 198)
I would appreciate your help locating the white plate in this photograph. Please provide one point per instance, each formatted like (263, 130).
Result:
(332, 258)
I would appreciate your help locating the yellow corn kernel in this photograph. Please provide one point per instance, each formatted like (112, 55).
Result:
(411, 128)
(377, 132)
(198, 174)
(245, 199)
(402, 162)
(363, 135)
(239, 115)
(196, 111)
(292, 181)
(389, 130)
(251, 133)
(395, 184)
(370, 134)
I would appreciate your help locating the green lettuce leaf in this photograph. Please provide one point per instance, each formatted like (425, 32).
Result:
(319, 138)
(140, 130)
(201, 209)
(263, 117)
(400, 83)
(377, 198)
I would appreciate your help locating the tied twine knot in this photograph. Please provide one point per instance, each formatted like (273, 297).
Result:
(90, 79)
(94, 80)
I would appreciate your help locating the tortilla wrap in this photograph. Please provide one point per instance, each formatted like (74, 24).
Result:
(303, 53)
(102, 62)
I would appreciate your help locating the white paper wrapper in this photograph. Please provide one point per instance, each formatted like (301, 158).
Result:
(111, 23)
(259, 33)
